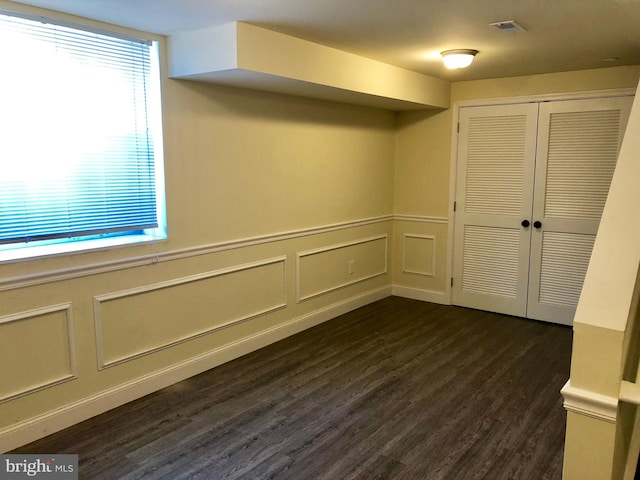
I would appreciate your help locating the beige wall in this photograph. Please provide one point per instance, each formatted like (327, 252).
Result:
(259, 164)
(423, 158)
(269, 199)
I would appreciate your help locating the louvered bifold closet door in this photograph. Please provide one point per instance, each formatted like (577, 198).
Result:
(496, 156)
(578, 143)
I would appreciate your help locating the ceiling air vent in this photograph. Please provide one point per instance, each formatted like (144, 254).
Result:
(508, 26)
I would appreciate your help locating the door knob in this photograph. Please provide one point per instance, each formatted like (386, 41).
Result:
(525, 223)
(537, 224)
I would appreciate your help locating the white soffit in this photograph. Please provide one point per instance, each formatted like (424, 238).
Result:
(244, 55)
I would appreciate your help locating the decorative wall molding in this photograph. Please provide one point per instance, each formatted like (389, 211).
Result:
(422, 295)
(591, 404)
(58, 275)
(58, 419)
(421, 219)
(98, 300)
(71, 353)
(431, 272)
(301, 255)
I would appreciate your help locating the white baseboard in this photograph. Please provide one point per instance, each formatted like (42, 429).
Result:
(68, 415)
(423, 295)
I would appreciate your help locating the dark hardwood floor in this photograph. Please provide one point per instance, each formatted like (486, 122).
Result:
(399, 389)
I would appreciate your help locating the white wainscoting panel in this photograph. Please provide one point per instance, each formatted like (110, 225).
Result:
(419, 254)
(184, 309)
(37, 350)
(331, 268)
(33, 428)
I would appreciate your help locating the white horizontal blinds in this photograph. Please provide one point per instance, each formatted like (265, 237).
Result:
(582, 154)
(490, 261)
(565, 258)
(495, 164)
(76, 154)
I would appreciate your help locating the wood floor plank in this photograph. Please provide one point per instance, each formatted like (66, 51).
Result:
(398, 390)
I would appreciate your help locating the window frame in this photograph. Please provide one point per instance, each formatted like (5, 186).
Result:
(18, 251)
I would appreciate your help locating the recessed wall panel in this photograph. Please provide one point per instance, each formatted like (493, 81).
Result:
(337, 266)
(36, 350)
(136, 322)
(419, 255)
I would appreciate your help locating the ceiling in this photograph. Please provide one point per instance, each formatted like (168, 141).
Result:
(560, 35)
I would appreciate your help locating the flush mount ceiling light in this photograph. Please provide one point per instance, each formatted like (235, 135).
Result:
(460, 58)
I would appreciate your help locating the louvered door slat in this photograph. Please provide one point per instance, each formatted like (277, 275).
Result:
(577, 152)
(581, 158)
(565, 258)
(495, 164)
(490, 265)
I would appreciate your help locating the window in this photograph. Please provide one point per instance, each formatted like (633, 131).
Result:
(80, 143)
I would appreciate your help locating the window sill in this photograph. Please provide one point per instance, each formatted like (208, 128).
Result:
(80, 246)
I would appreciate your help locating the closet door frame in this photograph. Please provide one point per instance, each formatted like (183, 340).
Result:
(453, 172)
